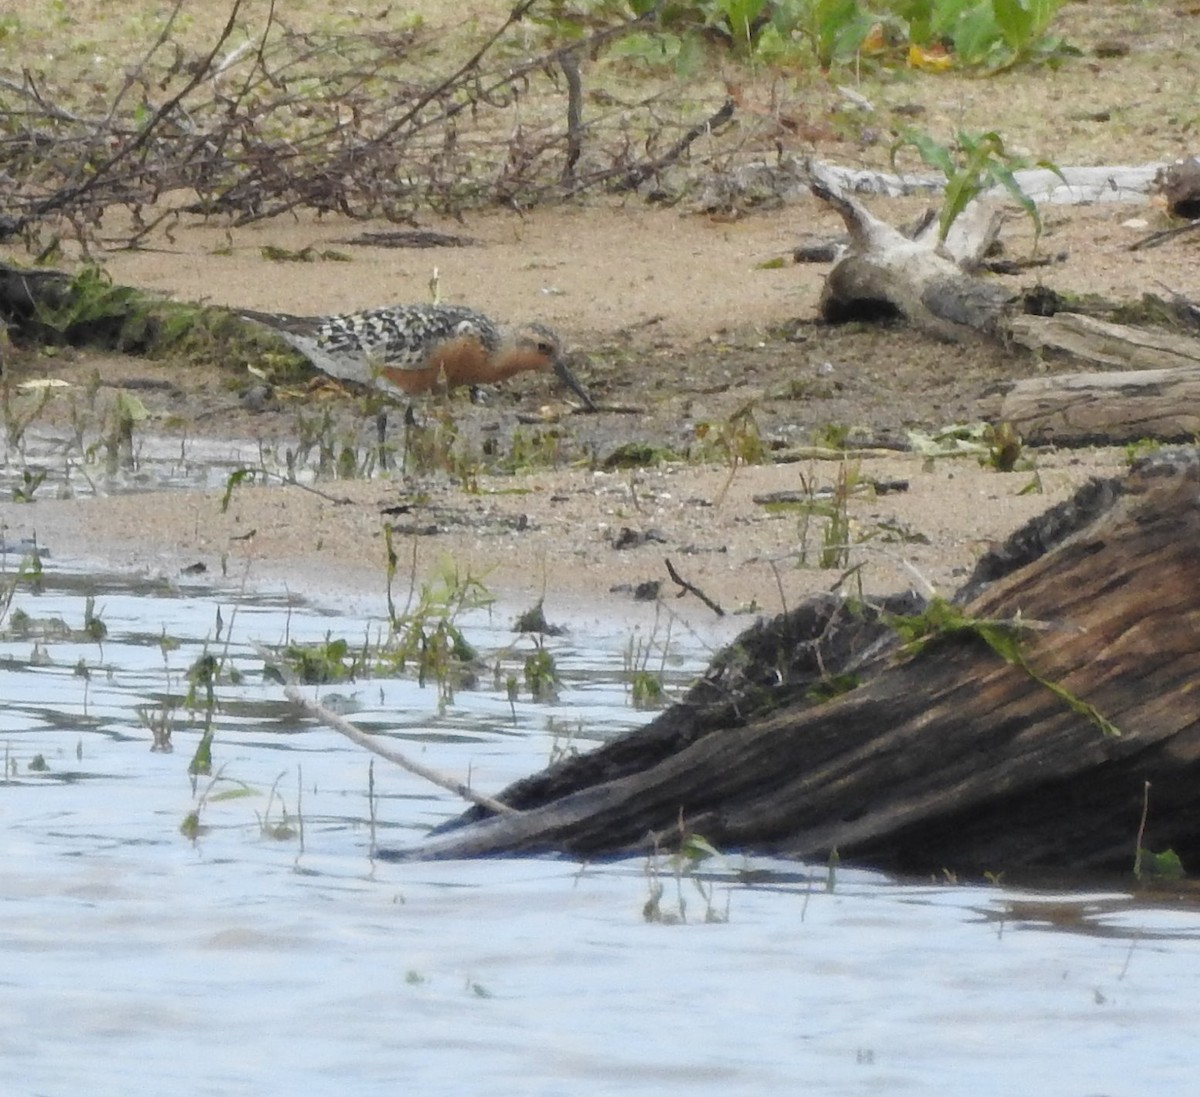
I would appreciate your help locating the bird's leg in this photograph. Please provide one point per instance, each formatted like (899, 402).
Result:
(381, 425)
(410, 421)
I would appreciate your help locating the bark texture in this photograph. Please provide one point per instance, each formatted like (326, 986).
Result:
(950, 758)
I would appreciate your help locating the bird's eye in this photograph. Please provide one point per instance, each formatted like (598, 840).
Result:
(545, 347)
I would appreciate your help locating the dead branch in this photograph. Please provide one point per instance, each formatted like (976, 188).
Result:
(348, 122)
(691, 588)
(836, 728)
(72, 196)
(369, 742)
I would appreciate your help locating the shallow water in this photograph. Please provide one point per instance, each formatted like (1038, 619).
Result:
(53, 463)
(134, 960)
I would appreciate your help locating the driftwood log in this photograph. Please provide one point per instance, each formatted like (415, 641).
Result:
(948, 757)
(934, 287)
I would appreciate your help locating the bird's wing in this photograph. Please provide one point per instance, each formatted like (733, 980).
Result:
(401, 338)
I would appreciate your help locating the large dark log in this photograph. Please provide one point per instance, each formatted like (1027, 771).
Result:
(948, 758)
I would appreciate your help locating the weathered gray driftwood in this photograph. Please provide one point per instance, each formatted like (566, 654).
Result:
(1104, 408)
(933, 286)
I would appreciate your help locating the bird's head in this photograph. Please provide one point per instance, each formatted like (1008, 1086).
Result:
(542, 342)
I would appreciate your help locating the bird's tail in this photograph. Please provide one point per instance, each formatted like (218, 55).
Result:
(282, 322)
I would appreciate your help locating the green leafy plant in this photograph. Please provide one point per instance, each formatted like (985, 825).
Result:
(330, 660)
(693, 850)
(191, 827)
(433, 444)
(990, 34)
(1004, 446)
(541, 674)
(25, 491)
(831, 507)
(94, 627)
(126, 413)
(736, 439)
(534, 449)
(996, 446)
(1022, 25)
(832, 436)
(1162, 866)
(832, 686)
(646, 689)
(201, 679)
(836, 540)
(932, 34)
(279, 830)
(972, 163)
(646, 686)
(91, 302)
(1146, 863)
(425, 634)
(834, 29)
(19, 411)
(1143, 447)
(941, 619)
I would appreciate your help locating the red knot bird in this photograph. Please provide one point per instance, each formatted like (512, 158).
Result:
(419, 348)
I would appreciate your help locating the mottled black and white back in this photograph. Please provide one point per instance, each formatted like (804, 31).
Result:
(402, 336)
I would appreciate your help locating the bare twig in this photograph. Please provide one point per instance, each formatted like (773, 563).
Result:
(689, 588)
(639, 174)
(356, 735)
(569, 63)
(1162, 236)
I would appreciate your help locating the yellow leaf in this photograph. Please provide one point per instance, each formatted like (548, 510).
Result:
(933, 59)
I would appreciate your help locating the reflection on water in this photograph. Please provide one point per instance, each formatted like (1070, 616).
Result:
(134, 960)
(47, 463)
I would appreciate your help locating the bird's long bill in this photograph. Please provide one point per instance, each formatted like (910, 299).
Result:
(564, 374)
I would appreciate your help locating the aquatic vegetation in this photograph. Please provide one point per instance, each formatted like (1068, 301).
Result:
(1147, 864)
(541, 675)
(285, 828)
(682, 865)
(426, 632)
(645, 685)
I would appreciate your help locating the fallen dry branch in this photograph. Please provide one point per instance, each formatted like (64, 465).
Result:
(1156, 394)
(690, 588)
(947, 757)
(886, 272)
(786, 179)
(1116, 346)
(360, 738)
